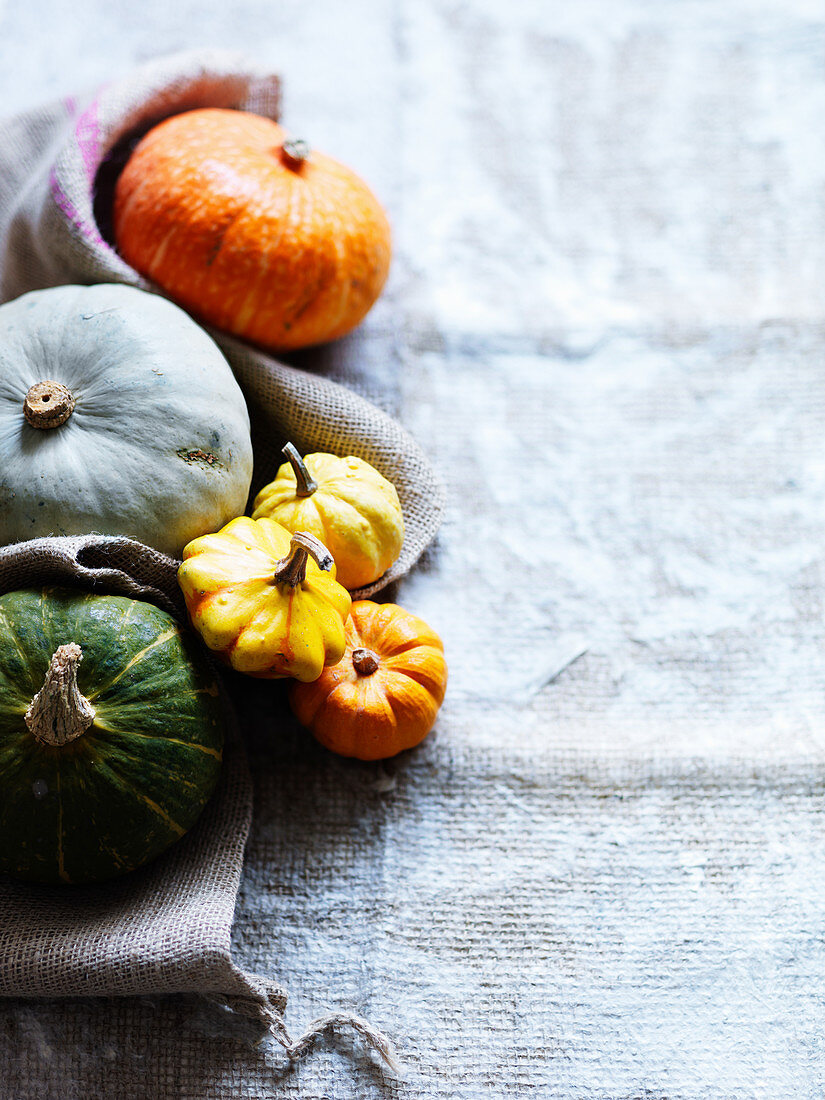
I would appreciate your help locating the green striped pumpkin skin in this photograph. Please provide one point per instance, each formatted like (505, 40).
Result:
(139, 777)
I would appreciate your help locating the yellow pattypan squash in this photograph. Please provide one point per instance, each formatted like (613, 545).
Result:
(266, 600)
(346, 504)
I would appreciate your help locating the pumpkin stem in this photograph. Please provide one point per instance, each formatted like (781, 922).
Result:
(305, 482)
(58, 713)
(48, 405)
(292, 569)
(294, 152)
(365, 662)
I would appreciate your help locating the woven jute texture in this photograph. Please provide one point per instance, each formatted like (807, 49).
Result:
(57, 165)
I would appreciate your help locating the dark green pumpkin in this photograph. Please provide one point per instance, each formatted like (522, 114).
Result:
(136, 779)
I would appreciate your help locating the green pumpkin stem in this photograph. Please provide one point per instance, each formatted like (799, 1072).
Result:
(304, 481)
(292, 569)
(58, 713)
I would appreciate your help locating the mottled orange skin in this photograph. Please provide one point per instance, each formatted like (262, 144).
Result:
(372, 717)
(209, 209)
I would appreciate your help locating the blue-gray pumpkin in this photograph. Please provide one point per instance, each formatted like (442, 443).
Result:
(118, 414)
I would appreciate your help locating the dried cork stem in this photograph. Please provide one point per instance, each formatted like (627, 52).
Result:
(48, 404)
(365, 662)
(292, 569)
(58, 713)
(294, 152)
(305, 483)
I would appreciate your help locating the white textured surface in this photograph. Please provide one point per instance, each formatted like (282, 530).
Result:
(602, 878)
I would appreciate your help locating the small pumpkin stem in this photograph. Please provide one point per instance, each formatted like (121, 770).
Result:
(292, 569)
(58, 713)
(306, 484)
(48, 405)
(294, 152)
(365, 662)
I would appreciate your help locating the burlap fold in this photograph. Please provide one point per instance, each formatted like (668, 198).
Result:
(56, 164)
(165, 928)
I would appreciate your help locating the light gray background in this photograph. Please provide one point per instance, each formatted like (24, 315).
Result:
(602, 876)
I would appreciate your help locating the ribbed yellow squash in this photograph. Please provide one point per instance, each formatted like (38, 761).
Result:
(266, 600)
(344, 502)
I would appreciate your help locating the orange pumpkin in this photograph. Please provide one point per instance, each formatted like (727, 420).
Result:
(251, 232)
(384, 694)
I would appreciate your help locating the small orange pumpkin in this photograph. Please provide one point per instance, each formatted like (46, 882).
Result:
(252, 232)
(384, 694)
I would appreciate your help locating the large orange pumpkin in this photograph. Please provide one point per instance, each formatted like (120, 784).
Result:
(384, 693)
(251, 232)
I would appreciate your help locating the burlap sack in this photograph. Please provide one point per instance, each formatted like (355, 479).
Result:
(56, 171)
(165, 928)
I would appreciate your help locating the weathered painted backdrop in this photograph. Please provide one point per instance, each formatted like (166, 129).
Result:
(603, 876)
